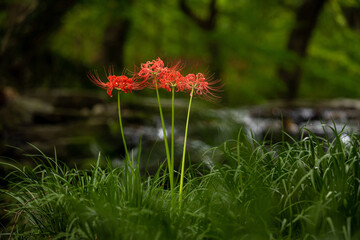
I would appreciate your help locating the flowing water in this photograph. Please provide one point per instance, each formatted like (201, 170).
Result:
(81, 124)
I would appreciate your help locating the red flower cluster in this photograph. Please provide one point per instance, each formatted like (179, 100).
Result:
(122, 83)
(151, 68)
(203, 87)
(160, 77)
(170, 77)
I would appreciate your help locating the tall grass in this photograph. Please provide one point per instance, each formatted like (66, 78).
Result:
(306, 189)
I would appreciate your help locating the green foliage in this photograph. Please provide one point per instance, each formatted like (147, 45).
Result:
(251, 37)
(298, 190)
(334, 56)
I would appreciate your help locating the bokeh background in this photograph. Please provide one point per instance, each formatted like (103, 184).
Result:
(262, 50)
(248, 44)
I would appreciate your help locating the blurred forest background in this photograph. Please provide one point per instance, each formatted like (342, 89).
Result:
(261, 49)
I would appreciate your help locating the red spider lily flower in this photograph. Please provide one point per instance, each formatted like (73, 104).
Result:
(203, 87)
(149, 68)
(172, 78)
(162, 77)
(121, 83)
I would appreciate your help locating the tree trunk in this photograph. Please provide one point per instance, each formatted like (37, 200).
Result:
(306, 20)
(208, 25)
(24, 39)
(114, 43)
(352, 15)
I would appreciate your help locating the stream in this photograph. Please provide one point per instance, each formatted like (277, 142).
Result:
(80, 124)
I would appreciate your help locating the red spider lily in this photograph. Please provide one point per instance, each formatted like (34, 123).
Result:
(121, 83)
(172, 78)
(149, 68)
(163, 77)
(203, 87)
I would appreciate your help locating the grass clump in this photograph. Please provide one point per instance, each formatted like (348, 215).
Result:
(306, 189)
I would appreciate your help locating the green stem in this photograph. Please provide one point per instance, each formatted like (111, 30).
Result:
(122, 132)
(184, 150)
(165, 137)
(171, 172)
